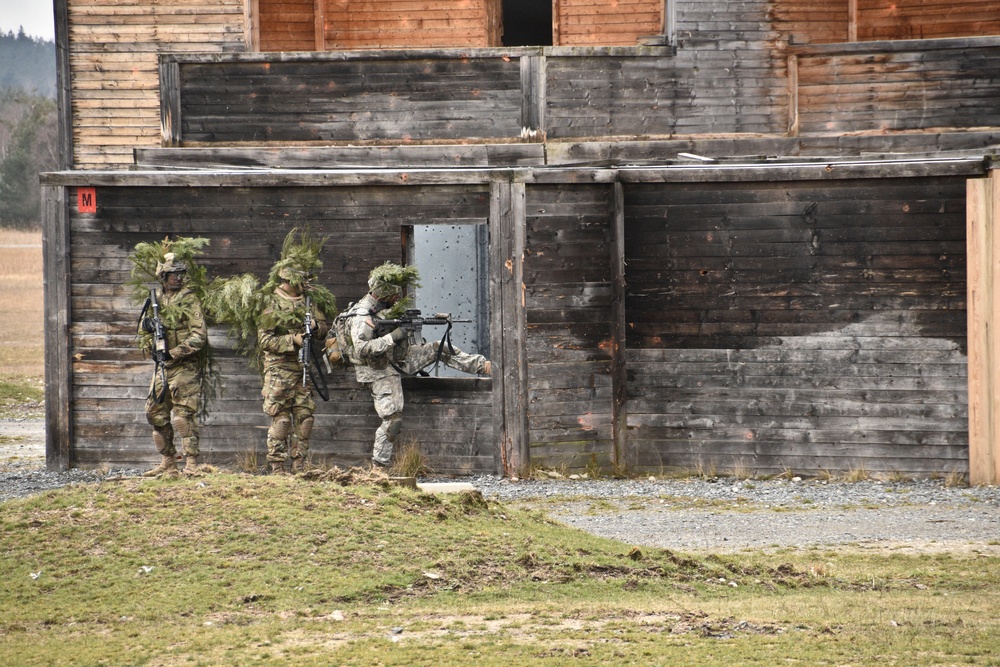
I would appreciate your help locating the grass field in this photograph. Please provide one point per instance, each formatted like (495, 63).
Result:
(21, 305)
(248, 570)
(22, 337)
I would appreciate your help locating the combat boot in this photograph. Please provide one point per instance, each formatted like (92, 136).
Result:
(298, 465)
(166, 467)
(191, 466)
(278, 468)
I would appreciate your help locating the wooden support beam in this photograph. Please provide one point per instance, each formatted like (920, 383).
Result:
(622, 457)
(64, 93)
(983, 205)
(533, 97)
(58, 364)
(319, 24)
(793, 95)
(170, 102)
(852, 20)
(508, 327)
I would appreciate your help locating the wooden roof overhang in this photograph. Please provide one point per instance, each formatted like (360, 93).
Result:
(768, 171)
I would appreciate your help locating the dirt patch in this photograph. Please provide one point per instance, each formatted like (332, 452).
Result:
(22, 441)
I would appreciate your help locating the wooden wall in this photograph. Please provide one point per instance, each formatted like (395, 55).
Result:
(308, 25)
(906, 86)
(404, 98)
(753, 318)
(411, 24)
(289, 25)
(603, 23)
(833, 21)
(113, 47)
(729, 76)
(926, 19)
(246, 227)
(798, 326)
(567, 302)
(812, 21)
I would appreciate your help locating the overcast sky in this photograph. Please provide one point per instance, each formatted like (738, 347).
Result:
(35, 16)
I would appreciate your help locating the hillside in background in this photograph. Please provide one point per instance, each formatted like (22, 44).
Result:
(28, 126)
(27, 63)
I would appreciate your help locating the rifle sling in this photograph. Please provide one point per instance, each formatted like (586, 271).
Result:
(445, 338)
(322, 388)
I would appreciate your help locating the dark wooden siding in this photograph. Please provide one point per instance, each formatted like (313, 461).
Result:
(797, 326)
(246, 227)
(728, 75)
(811, 21)
(411, 99)
(567, 299)
(901, 87)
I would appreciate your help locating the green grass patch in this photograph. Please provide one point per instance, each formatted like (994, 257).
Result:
(21, 397)
(238, 569)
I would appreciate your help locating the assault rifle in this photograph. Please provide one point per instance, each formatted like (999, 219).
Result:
(412, 323)
(307, 355)
(304, 351)
(161, 355)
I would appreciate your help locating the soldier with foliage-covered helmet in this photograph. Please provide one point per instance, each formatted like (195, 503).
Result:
(287, 391)
(177, 388)
(378, 360)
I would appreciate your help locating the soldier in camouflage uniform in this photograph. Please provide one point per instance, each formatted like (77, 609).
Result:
(186, 335)
(289, 404)
(376, 359)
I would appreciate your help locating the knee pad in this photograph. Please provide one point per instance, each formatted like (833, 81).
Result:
(163, 438)
(281, 424)
(304, 427)
(394, 424)
(182, 424)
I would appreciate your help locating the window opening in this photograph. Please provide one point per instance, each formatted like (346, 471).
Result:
(453, 261)
(527, 22)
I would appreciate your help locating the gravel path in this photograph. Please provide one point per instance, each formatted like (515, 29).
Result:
(731, 515)
(686, 514)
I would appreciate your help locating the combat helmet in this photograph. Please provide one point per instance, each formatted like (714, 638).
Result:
(299, 263)
(170, 264)
(389, 280)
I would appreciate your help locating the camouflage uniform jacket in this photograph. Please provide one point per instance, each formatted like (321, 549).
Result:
(184, 322)
(369, 355)
(281, 319)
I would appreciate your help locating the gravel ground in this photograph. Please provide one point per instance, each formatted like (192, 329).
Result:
(731, 515)
(688, 514)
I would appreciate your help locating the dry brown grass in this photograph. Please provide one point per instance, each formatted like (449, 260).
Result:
(21, 304)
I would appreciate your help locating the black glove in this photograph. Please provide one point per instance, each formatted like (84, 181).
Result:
(147, 325)
(398, 334)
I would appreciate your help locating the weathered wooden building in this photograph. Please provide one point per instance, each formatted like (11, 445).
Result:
(729, 235)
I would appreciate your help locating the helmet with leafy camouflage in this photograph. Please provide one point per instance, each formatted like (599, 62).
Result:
(389, 280)
(294, 274)
(170, 264)
(299, 262)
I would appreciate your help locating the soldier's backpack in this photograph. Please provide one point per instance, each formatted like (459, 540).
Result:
(337, 352)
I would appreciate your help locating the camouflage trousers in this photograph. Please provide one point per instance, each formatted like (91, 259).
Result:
(291, 407)
(387, 391)
(177, 413)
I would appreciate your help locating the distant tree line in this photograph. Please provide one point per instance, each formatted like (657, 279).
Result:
(27, 63)
(28, 126)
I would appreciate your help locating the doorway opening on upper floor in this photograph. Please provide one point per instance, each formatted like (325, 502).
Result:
(527, 23)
